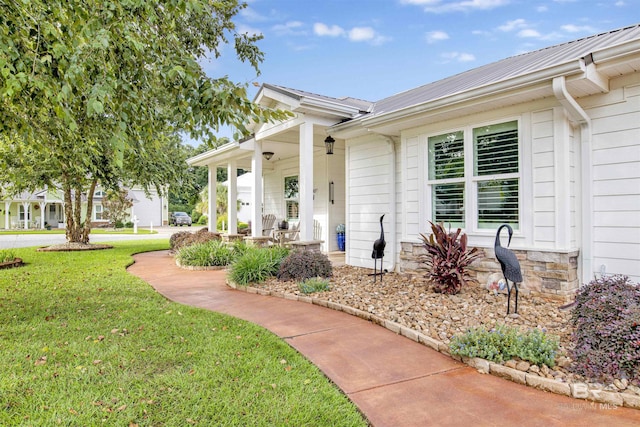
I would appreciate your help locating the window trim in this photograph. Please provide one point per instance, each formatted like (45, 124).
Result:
(470, 180)
(292, 199)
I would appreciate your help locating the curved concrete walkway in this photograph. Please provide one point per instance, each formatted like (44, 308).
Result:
(394, 381)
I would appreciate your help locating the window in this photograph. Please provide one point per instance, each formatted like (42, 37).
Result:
(491, 184)
(291, 190)
(21, 213)
(99, 212)
(446, 172)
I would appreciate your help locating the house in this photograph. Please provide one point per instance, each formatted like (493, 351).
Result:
(547, 141)
(243, 196)
(45, 208)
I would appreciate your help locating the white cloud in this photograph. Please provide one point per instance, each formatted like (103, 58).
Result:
(512, 25)
(458, 6)
(529, 33)
(322, 30)
(251, 15)
(458, 56)
(542, 9)
(571, 28)
(436, 36)
(360, 34)
(242, 29)
(620, 3)
(356, 34)
(291, 27)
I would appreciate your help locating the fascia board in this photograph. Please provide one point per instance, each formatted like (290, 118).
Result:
(205, 158)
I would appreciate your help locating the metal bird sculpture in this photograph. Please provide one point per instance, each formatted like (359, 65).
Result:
(509, 264)
(378, 252)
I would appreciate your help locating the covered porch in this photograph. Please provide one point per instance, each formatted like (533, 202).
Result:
(32, 211)
(298, 169)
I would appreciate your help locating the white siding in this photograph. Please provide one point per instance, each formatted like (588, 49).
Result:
(369, 165)
(616, 181)
(544, 191)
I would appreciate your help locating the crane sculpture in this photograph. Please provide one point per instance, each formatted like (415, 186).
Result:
(509, 264)
(378, 252)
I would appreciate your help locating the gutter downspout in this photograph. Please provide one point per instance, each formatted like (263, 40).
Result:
(392, 207)
(578, 115)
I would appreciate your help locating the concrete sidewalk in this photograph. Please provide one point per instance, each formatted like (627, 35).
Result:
(393, 380)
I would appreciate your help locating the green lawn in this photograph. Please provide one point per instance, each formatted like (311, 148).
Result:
(93, 231)
(83, 343)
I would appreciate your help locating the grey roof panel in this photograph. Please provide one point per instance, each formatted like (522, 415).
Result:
(514, 66)
(360, 104)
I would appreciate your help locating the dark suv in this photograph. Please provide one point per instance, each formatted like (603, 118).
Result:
(180, 218)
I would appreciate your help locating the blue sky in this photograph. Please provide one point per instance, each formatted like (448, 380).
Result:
(372, 49)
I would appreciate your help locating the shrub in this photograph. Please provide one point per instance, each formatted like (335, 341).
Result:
(447, 258)
(255, 265)
(504, 343)
(186, 238)
(606, 336)
(203, 220)
(207, 254)
(302, 265)
(7, 255)
(315, 284)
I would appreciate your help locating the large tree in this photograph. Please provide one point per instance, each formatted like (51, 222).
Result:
(96, 92)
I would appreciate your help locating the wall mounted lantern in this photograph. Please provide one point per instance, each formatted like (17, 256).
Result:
(328, 143)
(267, 155)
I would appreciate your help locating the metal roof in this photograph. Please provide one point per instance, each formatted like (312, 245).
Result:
(508, 68)
(361, 105)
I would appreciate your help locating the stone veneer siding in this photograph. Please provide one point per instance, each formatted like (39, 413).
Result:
(549, 274)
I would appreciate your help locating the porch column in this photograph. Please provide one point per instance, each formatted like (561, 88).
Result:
(232, 197)
(43, 206)
(213, 182)
(25, 207)
(305, 177)
(7, 215)
(256, 191)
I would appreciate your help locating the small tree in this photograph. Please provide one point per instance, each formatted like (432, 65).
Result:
(116, 204)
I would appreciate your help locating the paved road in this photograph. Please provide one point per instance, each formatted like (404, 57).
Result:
(8, 241)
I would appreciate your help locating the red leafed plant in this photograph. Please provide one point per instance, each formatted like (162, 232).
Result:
(447, 257)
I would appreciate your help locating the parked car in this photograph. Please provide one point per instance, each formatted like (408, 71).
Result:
(180, 218)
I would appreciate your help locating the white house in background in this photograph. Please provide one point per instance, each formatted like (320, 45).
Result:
(243, 196)
(42, 208)
(547, 141)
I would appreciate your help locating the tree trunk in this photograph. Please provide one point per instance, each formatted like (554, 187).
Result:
(77, 231)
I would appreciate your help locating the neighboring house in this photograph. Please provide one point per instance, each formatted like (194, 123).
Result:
(243, 196)
(547, 141)
(43, 208)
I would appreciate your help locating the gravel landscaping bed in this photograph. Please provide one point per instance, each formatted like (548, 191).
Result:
(411, 302)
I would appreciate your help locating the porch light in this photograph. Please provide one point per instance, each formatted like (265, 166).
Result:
(267, 155)
(328, 142)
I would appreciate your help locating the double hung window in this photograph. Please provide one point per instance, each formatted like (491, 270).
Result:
(99, 212)
(291, 197)
(474, 176)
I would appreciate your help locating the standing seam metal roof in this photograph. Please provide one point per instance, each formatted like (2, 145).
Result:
(515, 66)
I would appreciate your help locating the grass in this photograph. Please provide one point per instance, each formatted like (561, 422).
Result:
(85, 343)
(93, 231)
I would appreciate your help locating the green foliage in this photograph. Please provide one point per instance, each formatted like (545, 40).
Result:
(447, 258)
(255, 265)
(7, 255)
(86, 343)
(116, 204)
(206, 254)
(100, 92)
(302, 265)
(314, 284)
(504, 343)
(203, 220)
(606, 336)
(186, 238)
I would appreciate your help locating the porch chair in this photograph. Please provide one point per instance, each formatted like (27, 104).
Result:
(317, 230)
(267, 224)
(293, 235)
